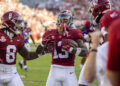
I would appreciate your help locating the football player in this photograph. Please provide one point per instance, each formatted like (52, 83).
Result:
(63, 43)
(113, 70)
(86, 30)
(27, 32)
(98, 62)
(97, 10)
(11, 42)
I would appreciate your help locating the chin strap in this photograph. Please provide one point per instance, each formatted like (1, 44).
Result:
(11, 30)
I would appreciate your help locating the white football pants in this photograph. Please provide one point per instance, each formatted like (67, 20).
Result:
(59, 75)
(9, 76)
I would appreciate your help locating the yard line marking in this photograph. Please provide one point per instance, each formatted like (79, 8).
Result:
(35, 82)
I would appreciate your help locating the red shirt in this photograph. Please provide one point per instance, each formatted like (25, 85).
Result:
(9, 47)
(114, 47)
(59, 55)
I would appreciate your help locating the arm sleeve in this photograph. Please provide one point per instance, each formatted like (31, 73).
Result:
(77, 34)
(45, 37)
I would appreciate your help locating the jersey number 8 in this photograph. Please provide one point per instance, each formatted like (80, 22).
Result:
(10, 55)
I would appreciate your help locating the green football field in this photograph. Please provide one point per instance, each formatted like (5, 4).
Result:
(38, 70)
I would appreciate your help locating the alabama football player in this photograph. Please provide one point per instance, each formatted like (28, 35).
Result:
(27, 32)
(11, 42)
(60, 43)
(113, 70)
(97, 9)
(101, 56)
(86, 30)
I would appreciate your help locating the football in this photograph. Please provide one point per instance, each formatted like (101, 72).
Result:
(73, 43)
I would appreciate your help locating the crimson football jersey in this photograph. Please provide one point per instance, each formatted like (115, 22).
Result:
(114, 46)
(113, 63)
(9, 47)
(59, 55)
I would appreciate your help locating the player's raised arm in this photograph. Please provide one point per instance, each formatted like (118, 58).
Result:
(31, 55)
(81, 50)
(39, 51)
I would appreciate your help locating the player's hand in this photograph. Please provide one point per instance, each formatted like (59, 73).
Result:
(50, 47)
(66, 44)
(44, 42)
(48, 43)
(95, 38)
(47, 40)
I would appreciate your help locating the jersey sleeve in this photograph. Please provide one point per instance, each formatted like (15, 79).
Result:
(77, 34)
(45, 34)
(114, 50)
(46, 37)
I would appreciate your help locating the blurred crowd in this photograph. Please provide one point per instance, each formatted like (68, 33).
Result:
(38, 20)
(78, 7)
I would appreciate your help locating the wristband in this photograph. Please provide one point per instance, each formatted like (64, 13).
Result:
(93, 50)
(78, 51)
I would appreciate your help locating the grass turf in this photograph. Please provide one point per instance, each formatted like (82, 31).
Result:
(38, 70)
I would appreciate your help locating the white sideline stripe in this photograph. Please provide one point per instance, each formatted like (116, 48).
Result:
(35, 82)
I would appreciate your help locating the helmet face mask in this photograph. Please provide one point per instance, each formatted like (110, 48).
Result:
(65, 17)
(12, 21)
(18, 23)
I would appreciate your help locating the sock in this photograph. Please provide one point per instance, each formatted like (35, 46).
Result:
(21, 62)
(25, 67)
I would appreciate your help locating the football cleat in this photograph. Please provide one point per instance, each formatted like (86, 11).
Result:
(21, 65)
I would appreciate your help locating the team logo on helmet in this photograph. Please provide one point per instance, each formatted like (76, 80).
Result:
(12, 20)
(98, 8)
